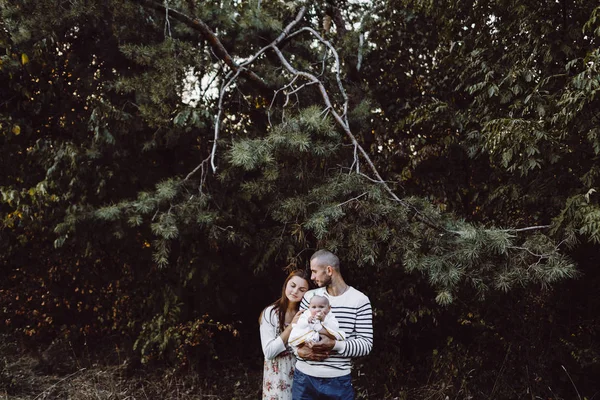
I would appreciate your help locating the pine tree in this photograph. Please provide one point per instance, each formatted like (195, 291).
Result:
(166, 156)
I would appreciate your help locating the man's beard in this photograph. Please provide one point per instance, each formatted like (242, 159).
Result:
(326, 282)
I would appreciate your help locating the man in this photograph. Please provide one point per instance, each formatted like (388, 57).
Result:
(323, 368)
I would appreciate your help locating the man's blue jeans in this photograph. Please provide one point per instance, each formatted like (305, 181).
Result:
(307, 387)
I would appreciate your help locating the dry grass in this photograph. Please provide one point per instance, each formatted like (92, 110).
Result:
(26, 377)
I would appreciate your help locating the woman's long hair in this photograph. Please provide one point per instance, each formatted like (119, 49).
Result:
(280, 305)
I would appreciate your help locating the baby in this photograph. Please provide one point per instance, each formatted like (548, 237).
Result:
(315, 321)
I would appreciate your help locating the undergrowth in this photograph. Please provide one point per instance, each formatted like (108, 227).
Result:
(61, 373)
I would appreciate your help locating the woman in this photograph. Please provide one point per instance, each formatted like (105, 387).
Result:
(275, 327)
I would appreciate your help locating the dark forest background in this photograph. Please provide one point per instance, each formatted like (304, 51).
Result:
(454, 172)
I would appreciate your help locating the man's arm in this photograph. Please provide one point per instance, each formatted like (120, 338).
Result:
(325, 333)
(331, 328)
(362, 343)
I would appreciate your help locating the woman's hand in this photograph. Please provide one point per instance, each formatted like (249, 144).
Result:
(297, 317)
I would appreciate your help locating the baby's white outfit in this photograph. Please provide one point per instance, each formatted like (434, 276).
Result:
(305, 331)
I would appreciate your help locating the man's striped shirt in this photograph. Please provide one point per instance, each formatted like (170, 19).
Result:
(353, 311)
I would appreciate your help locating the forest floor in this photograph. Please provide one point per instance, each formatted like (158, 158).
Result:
(59, 374)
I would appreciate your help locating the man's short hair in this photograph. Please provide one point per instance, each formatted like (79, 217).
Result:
(325, 258)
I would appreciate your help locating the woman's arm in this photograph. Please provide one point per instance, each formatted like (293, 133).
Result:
(300, 329)
(287, 332)
(285, 335)
(272, 344)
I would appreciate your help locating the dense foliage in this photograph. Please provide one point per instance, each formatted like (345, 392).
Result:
(165, 163)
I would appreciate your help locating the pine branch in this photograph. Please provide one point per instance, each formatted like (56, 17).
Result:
(229, 80)
(207, 33)
(341, 119)
(343, 123)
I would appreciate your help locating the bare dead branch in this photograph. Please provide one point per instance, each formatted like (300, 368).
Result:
(355, 161)
(231, 77)
(341, 119)
(188, 176)
(529, 228)
(283, 35)
(167, 21)
(361, 39)
(275, 96)
(207, 33)
(353, 199)
(226, 83)
(337, 65)
(346, 128)
(541, 256)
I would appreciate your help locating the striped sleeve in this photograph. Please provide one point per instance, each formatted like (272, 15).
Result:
(361, 342)
(304, 302)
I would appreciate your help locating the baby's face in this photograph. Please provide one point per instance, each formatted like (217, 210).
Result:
(318, 304)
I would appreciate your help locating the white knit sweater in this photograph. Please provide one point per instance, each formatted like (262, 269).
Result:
(353, 311)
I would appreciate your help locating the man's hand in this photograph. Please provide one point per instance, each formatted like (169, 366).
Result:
(314, 352)
(307, 353)
(322, 346)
